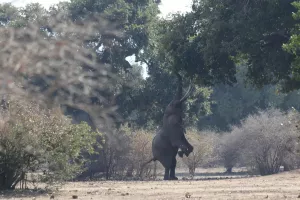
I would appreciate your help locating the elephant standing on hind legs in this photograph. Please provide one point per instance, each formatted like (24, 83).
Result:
(171, 136)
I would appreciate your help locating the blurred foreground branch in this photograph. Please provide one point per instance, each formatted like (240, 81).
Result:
(57, 65)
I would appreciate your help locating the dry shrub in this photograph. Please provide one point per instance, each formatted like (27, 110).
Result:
(140, 153)
(115, 153)
(263, 142)
(204, 144)
(124, 153)
(229, 150)
(32, 139)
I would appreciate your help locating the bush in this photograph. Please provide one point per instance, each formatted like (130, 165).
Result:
(263, 142)
(32, 138)
(115, 154)
(229, 149)
(140, 153)
(204, 144)
(124, 153)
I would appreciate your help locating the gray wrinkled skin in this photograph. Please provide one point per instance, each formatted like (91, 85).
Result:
(170, 138)
(165, 152)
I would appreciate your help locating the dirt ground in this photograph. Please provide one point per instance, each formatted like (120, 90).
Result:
(285, 185)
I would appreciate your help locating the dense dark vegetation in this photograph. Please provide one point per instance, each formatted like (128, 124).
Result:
(241, 56)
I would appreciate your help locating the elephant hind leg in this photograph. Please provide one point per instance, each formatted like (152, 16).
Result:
(167, 174)
(172, 169)
(166, 161)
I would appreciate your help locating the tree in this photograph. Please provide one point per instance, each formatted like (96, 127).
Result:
(182, 49)
(8, 13)
(212, 44)
(248, 30)
(292, 47)
(206, 43)
(133, 18)
(155, 94)
(232, 104)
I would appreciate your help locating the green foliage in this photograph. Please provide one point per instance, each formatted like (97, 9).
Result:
(293, 47)
(7, 13)
(132, 17)
(185, 50)
(135, 20)
(159, 90)
(65, 154)
(20, 17)
(255, 29)
(33, 138)
(208, 43)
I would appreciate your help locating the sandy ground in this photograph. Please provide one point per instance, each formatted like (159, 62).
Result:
(285, 185)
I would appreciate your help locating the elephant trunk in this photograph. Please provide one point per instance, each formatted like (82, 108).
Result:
(179, 87)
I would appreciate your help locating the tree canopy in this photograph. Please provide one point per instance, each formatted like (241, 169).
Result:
(222, 46)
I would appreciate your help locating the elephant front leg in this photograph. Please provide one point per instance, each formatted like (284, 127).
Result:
(190, 150)
(189, 147)
(180, 153)
(183, 150)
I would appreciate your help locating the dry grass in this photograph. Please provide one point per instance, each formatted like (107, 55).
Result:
(281, 186)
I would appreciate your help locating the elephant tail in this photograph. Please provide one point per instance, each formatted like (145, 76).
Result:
(152, 159)
(149, 161)
(144, 164)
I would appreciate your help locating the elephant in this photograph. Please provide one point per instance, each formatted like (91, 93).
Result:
(171, 136)
(165, 152)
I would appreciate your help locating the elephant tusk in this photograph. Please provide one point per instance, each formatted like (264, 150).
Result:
(186, 94)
